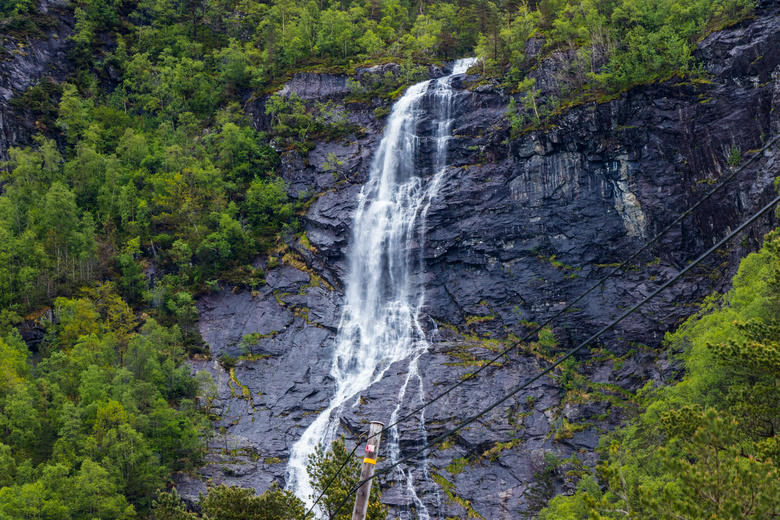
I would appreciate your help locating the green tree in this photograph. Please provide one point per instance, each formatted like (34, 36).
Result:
(32, 501)
(323, 468)
(242, 154)
(235, 503)
(426, 32)
(266, 204)
(95, 495)
(13, 364)
(74, 112)
(133, 279)
(182, 307)
(133, 148)
(20, 426)
(704, 447)
(529, 100)
(60, 224)
(170, 506)
(16, 8)
(717, 477)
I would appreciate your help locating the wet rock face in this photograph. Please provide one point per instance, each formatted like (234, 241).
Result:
(565, 205)
(519, 229)
(265, 401)
(31, 61)
(27, 63)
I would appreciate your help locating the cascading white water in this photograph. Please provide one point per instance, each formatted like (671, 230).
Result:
(384, 291)
(443, 127)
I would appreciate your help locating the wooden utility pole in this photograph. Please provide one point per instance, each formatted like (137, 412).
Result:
(369, 463)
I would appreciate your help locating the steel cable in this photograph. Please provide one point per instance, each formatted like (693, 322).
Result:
(538, 328)
(604, 329)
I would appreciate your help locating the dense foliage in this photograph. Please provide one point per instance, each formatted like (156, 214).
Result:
(707, 447)
(146, 152)
(95, 427)
(334, 473)
(233, 503)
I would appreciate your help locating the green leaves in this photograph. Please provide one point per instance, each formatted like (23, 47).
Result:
(267, 203)
(74, 113)
(169, 506)
(289, 115)
(95, 495)
(717, 478)
(705, 448)
(167, 149)
(16, 7)
(758, 350)
(242, 153)
(605, 47)
(13, 363)
(682, 422)
(233, 503)
(92, 430)
(323, 468)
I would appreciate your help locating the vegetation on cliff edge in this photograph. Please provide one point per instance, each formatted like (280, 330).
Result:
(708, 446)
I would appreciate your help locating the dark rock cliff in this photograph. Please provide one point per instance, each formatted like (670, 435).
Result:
(25, 63)
(520, 228)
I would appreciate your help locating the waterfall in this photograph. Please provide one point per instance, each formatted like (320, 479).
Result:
(384, 290)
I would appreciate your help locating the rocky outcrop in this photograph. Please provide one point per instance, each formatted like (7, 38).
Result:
(519, 229)
(308, 85)
(26, 62)
(263, 402)
(30, 60)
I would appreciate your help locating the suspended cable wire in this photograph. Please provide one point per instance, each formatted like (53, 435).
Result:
(582, 345)
(587, 292)
(571, 304)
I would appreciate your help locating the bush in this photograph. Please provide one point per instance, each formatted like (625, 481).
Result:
(267, 205)
(227, 361)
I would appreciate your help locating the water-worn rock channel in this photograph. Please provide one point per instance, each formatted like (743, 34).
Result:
(517, 229)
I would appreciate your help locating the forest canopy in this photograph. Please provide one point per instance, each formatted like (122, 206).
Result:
(145, 152)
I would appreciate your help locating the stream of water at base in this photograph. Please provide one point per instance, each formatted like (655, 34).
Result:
(380, 322)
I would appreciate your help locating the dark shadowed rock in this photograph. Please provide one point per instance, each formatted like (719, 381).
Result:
(226, 318)
(265, 403)
(28, 62)
(189, 490)
(520, 228)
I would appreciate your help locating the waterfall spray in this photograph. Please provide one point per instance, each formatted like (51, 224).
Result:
(384, 290)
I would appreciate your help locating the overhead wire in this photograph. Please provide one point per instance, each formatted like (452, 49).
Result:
(562, 311)
(604, 329)
(587, 292)
(347, 459)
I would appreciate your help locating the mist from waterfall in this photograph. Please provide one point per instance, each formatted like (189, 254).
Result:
(384, 288)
